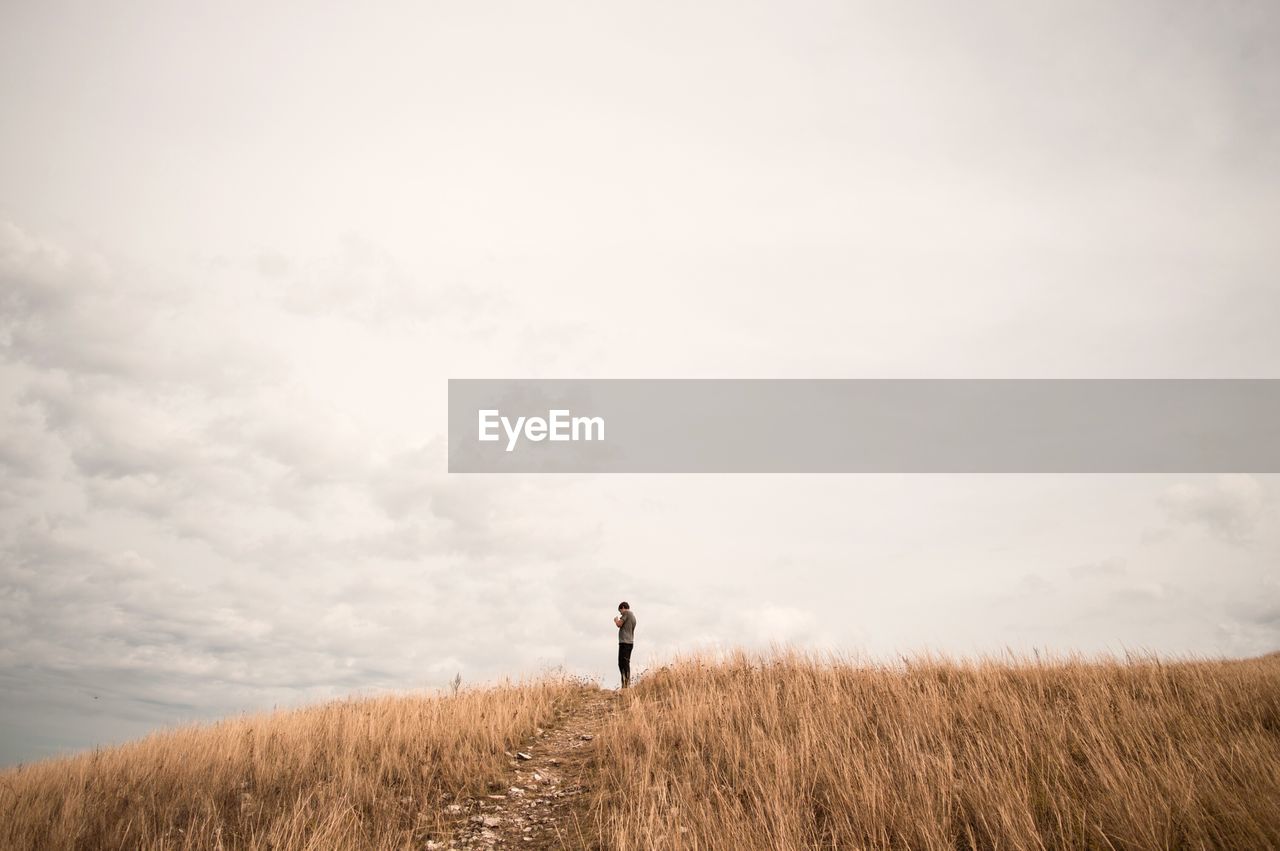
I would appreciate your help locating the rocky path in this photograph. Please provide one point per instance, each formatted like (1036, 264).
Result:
(543, 800)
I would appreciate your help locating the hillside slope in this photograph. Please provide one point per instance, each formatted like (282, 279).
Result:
(359, 774)
(783, 751)
(792, 753)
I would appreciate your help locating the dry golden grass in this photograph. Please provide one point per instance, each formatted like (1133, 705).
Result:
(797, 752)
(781, 751)
(367, 773)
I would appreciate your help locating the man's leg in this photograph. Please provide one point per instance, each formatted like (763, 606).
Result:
(624, 663)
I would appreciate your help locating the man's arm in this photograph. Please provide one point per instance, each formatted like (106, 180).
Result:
(618, 621)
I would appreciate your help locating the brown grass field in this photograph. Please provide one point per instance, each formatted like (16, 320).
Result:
(792, 752)
(350, 774)
(775, 751)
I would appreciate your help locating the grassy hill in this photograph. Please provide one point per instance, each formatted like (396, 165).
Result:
(781, 751)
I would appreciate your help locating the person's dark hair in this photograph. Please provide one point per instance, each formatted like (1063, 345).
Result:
(623, 605)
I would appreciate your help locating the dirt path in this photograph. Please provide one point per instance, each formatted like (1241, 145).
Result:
(543, 801)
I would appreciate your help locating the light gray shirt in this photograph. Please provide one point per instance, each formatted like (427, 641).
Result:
(627, 632)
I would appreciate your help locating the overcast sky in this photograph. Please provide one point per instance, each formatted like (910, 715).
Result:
(243, 246)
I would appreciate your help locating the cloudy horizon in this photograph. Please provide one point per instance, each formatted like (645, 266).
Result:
(242, 249)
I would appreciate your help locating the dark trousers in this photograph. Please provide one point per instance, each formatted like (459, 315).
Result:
(624, 663)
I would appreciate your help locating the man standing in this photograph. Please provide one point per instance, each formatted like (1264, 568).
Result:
(626, 624)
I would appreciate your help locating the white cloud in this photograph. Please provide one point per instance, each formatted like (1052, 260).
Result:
(1230, 507)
